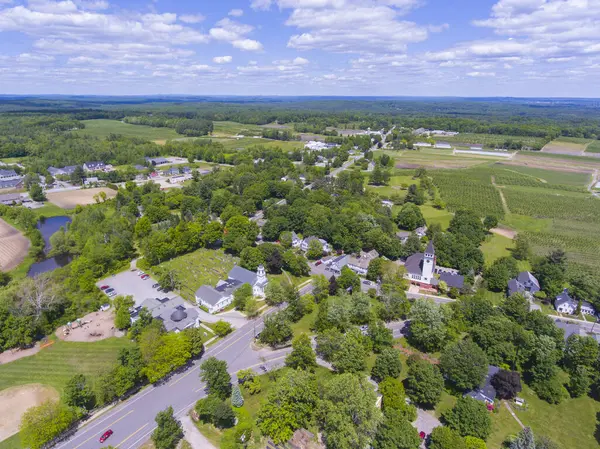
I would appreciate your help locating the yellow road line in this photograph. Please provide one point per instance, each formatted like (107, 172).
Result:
(131, 435)
(108, 425)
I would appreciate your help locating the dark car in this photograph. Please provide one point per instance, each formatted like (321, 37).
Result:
(318, 262)
(105, 435)
(104, 287)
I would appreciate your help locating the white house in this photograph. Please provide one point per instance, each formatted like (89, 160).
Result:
(565, 304)
(296, 241)
(306, 242)
(360, 263)
(94, 166)
(220, 296)
(171, 311)
(337, 263)
(387, 203)
(421, 270)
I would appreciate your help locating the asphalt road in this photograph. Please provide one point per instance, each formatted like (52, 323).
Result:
(132, 421)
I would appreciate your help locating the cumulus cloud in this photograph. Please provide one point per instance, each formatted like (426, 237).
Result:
(192, 18)
(236, 13)
(235, 33)
(222, 59)
(481, 74)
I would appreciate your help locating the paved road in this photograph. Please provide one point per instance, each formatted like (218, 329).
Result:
(133, 420)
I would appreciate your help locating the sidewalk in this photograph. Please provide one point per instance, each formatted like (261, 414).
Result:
(193, 435)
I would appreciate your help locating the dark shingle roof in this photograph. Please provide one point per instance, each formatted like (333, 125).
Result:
(430, 249)
(414, 264)
(453, 280)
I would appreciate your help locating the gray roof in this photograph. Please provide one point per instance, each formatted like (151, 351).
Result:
(241, 274)
(453, 280)
(430, 249)
(209, 295)
(525, 277)
(514, 286)
(563, 298)
(8, 197)
(525, 282)
(10, 183)
(157, 160)
(4, 172)
(172, 312)
(414, 263)
(486, 391)
(95, 164)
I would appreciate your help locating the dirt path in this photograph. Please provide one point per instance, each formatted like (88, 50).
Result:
(513, 414)
(10, 355)
(193, 435)
(594, 180)
(504, 204)
(504, 232)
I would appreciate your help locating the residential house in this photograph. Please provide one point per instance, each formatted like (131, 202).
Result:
(487, 392)
(8, 175)
(172, 312)
(65, 171)
(421, 270)
(564, 303)
(91, 181)
(220, 296)
(296, 241)
(421, 231)
(93, 166)
(525, 283)
(403, 236)
(422, 145)
(157, 161)
(11, 183)
(172, 171)
(306, 242)
(337, 263)
(10, 199)
(387, 203)
(360, 263)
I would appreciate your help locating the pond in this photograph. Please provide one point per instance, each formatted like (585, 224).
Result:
(48, 227)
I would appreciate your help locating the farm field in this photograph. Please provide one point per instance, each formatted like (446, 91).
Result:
(55, 365)
(593, 147)
(566, 145)
(234, 129)
(102, 128)
(548, 176)
(200, 267)
(13, 246)
(433, 215)
(493, 140)
(236, 144)
(71, 198)
(431, 158)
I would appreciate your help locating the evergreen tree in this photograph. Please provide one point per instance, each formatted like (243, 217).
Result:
(237, 400)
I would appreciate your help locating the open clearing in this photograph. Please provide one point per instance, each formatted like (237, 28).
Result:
(593, 147)
(13, 246)
(15, 401)
(95, 326)
(567, 145)
(71, 198)
(103, 128)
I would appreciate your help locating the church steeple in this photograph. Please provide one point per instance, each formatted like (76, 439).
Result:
(261, 276)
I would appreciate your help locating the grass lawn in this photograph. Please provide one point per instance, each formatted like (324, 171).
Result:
(13, 442)
(571, 423)
(492, 140)
(433, 215)
(234, 129)
(495, 247)
(303, 326)
(203, 266)
(495, 297)
(503, 425)
(50, 210)
(593, 147)
(447, 401)
(56, 364)
(102, 128)
(236, 144)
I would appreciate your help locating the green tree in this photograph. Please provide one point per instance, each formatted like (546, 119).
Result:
(446, 438)
(196, 337)
(222, 328)
(241, 295)
(427, 328)
(36, 192)
(469, 417)
(415, 195)
(465, 364)
(387, 364)
(380, 336)
(498, 274)
(205, 408)
(277, 330)
(248, 379)
(78, 393)
(302, 355)
(315, 250)
(168, 430)
(42, 423)
(490, 221)
(375, 270)
(522, 250)
(525, 440)
(290, 405)
(580, 351)
(348, 420)
(224, 416)
(410, 217)
(165, 354)
(218, 381)
(580, 381)
(320, 287)
(237, 400)
(348, 279)
(516, 307)
(507, 384)
(251, 258)
(475, 443)
(239, 233)
(395, 432)
(351, 355)
(274, 294)
(122, 318)
(394, 399)
(425, 383)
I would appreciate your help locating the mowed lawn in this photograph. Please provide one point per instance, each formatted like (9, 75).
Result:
(102, 128)
(593, 147)
(203, 266)
(56, 364)
(495, 247)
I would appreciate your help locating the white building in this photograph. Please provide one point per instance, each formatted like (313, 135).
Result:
(360, 263)
(94, 166)
(564, 303)
(220, 296)
(306, 242)
(8, 175)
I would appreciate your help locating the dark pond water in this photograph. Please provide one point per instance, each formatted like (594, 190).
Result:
(48, 227)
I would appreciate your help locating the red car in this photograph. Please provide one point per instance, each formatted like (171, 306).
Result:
(422, 435)
(104, 287)
(319, 262)
(105, 435)
(145, 276)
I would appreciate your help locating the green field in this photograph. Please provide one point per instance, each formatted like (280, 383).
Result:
(433, 215)
(234, 129)
(433, 158)
(493, 140)
(102, 128)
(593, 147)
(239, 144)
(203, 266)
(542, 176)
(56, 364)
(495, 247)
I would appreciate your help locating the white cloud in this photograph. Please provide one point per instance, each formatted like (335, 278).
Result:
(236, 13)
(222, 59)
(192, 18)
(261, 4)
(481, 74)
(300, 61)
(29, 57)
(235, 33)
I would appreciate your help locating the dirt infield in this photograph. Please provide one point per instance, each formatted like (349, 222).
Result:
(13, 246)
(94, 326)
(15, 401)
(71, 198)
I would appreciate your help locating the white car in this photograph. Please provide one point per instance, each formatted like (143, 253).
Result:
(140, 273)
(111, 294)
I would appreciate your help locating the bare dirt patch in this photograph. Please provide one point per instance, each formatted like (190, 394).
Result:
(15, 401)
(11, 355)
(561, 147)
(160, 141)
(13, 246)
(94, 326)
(71, 198)
(505, 232)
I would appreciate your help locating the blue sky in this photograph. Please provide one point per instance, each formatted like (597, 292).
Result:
(301, 47)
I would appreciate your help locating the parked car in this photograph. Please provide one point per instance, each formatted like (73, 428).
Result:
(111, 294)
(160, 289)
(318, 262)
(145, 276)
(109, 290)
(140, 273)
(367, 282)
(422, 435)
(155, 285)
(105, 435)
(104, 287)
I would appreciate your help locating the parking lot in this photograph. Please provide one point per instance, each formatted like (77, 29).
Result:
(129, 283)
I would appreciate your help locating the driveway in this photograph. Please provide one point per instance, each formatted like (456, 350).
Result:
(426, 422)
